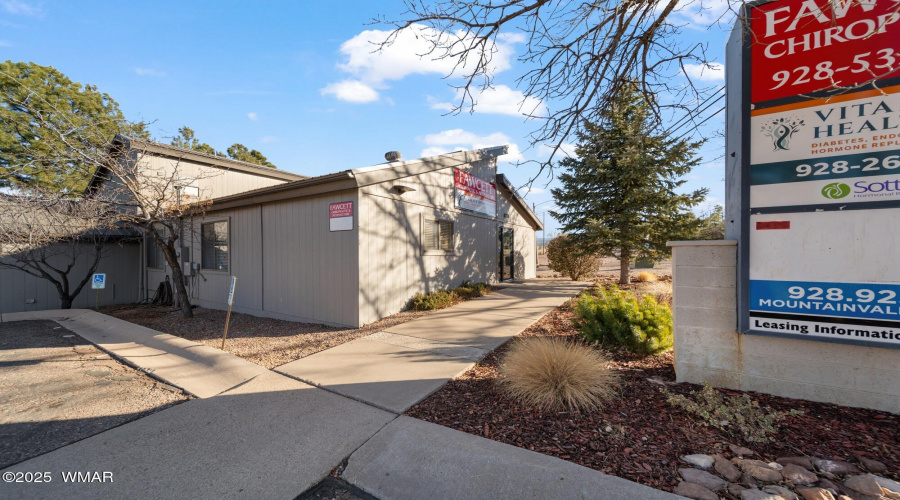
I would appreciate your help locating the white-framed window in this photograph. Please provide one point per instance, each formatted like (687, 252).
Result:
(155, 257)
(437, 235)
(214, 246)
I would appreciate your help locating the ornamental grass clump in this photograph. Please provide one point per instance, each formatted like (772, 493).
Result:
(555, 374)
(615, 317)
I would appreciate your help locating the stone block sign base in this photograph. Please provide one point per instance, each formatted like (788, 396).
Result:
(708, 347)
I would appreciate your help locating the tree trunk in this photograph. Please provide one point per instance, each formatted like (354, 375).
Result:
(65, 303)
(181, 291)
(624, 266)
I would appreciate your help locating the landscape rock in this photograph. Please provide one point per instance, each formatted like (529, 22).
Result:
(804, 462)
(727, 469)
(760, 470)
(798, 475)
(843, 497)
(873, 465)
(741, 451)
(815, 494)
(748, 481)
(867, 485)
(781, 491)
(888, 484)
(775, 465)
(839, 467)
(828, 485)
(695, 491)
(758, 495)
(699, 460)
(703, 478)
(736, 489)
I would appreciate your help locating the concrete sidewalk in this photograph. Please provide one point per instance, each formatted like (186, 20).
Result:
(397, 368)
(411, 459)
(258, 434)
(200, 370)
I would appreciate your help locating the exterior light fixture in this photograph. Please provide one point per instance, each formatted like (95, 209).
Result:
(401, 189)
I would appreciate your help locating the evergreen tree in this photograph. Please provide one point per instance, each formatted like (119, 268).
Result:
(33, 155)
(620, 193)
(185, 139)
(242, 153)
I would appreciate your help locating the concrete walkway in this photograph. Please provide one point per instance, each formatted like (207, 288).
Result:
(263, 435)
(197, 369)
(397, 368)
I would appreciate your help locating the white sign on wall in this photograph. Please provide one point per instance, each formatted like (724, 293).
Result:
(340, 216)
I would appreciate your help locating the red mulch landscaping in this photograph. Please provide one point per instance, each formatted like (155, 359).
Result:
(646, 434)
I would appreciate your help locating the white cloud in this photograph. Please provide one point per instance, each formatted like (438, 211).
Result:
(149, 72)
(253, 116)
(21, 8)
(459, 139)
(410, 54)
(499, 99)
(268, 139)
(531, 190)
(4, 43)
(709, 72)
(351, 91)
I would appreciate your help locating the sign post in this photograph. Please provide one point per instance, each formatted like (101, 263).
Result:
(98, 282)
(820, 171)
(228, 315)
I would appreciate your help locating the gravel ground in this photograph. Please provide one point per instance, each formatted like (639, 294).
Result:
(609, 267)
(56, 388)
(332, 488)
(639, 436)
(265, 341)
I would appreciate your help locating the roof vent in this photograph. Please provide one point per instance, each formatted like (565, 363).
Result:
(392, 156)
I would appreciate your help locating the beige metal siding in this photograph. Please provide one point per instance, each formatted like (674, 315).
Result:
(288, 263)
(119, 262)
(393, 265)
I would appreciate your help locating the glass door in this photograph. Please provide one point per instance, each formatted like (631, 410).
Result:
(507, 256)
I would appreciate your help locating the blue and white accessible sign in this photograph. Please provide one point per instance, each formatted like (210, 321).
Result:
(98, 281)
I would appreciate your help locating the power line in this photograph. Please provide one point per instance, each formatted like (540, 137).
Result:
(701, 123)
(695, 112)
(694, 115)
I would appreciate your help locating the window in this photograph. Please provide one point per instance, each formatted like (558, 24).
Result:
(438, 235)
(214, 245)
(155, 258)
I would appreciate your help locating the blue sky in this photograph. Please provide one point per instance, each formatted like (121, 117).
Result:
(298, 81)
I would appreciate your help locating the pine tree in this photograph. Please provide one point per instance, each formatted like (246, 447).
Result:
(621, 191)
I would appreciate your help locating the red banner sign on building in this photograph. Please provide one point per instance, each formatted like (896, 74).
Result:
(474, 194)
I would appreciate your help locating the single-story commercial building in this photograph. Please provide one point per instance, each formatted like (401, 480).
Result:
(352, 247)
(346, 248)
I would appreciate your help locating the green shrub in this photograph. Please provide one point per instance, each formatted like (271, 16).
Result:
(739, 416)
(440, 299)
(567, 258)
(615, 317)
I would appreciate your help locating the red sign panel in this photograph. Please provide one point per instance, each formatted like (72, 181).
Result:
(775, 224)
(474, 186)
(343, 209)
(803, 46)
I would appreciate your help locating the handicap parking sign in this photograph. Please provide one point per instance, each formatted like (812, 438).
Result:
(99, 281)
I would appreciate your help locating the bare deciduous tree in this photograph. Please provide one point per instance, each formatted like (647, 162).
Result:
(577, 54)
(151, 198)
(54, 239)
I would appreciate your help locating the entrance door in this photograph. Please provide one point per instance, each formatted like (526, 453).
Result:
(507, 256)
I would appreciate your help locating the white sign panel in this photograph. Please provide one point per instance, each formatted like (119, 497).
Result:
(98, 281)
(340, 216)
(827, 152)
(231, 290)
